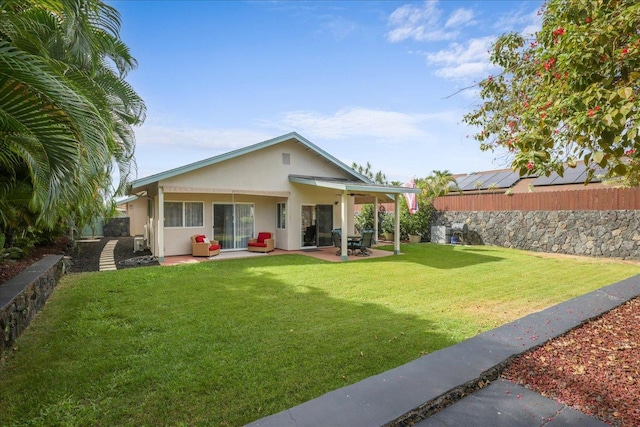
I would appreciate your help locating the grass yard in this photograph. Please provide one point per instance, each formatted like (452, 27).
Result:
(224, 343)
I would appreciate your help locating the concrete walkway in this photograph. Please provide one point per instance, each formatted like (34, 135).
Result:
(107, 262)
(418, 392)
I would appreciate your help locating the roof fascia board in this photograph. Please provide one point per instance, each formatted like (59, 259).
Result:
(349, 186)
(127, 200)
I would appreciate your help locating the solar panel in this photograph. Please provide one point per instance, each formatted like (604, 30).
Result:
(545, 180)
(463, 181)
(505, 179)
(484, 181)
(575, 175)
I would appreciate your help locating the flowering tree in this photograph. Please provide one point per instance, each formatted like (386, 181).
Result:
(570, 94)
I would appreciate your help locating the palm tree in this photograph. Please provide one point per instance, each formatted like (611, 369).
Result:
(66, 111)
(439, 183)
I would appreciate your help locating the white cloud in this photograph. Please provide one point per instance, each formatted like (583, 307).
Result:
(526, 22)
(360, 122)
(460, 17)
(420, 23)
(463, 61)
(338, 26)
(215, 140)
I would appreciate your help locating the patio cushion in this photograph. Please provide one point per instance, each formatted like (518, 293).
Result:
(214, 247)
(200, 238)
(263, 236)
(258, 244)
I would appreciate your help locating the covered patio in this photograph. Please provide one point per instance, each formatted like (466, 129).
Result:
(362, 193)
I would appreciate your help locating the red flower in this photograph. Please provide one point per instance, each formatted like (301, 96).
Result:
(543, 115)
(587, 20)
(530, 165)
(630, 152)
(558, 32)
(549, 63)
(625, 51)
(591, 113)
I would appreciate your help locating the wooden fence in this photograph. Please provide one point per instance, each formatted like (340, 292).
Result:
(588, 199)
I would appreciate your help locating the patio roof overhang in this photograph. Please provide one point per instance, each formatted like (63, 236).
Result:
(362, 191)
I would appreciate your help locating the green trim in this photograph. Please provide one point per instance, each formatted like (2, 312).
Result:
(242, 151)
(126, 200)
(350, 185)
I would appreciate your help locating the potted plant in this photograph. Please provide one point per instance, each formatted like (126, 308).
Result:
(414, 226)
(387, 226)
(415, 238)
(411, 227)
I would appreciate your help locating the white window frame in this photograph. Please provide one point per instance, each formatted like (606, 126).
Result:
(184, 218)
(281, 215)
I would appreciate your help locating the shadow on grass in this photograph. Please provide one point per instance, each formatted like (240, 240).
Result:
(227, 342)
(442, 256)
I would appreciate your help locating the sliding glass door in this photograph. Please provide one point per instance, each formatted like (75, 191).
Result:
(317, 222)
(233, 224)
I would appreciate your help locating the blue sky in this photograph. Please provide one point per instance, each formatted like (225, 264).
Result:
(367, 81)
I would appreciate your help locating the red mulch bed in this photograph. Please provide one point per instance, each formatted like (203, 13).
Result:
(594, 368)
(11, 268)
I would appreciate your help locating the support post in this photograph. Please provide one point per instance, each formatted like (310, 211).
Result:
(160, 224)
(375, 219)
(344, 252)
(396, 234)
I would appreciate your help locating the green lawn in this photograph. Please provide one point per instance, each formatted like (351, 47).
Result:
(225, 343)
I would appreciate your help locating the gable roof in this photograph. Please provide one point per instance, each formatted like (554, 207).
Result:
(246, 150)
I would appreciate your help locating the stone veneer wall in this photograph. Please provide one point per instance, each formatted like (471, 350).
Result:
(25, 294)
(593, 233)
(117, 227)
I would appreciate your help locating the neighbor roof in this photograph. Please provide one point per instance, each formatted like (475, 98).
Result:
(251, 148)
(505, 178)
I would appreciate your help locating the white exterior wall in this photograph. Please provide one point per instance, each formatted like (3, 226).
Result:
(137, 212)
(262, 172)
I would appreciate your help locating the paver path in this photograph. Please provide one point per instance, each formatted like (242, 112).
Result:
(107, 262)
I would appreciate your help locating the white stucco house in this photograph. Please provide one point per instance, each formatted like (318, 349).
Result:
(286, 185)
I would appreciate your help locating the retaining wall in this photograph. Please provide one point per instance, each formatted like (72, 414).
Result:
(594, 233)
(24, 295)
(117, 227)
